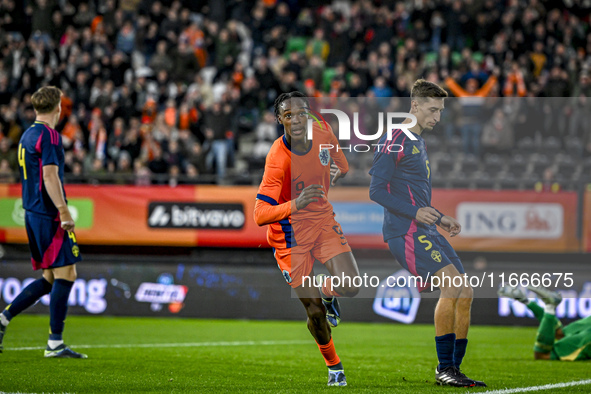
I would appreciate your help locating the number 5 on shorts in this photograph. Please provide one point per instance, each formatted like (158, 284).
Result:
(424, 241)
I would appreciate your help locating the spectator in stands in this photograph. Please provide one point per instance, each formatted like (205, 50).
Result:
(126, 38)
(124, 169)
(185, 62)
(8, 154)
(98, 171)
(514, 82)
(217, 125)
(548, 183)
(196, 159)
(158, 165)
(161, 60)
(497, 134)
(314, 71)
(266, 134)
(115, 55)
(175, 156)
(580, 106)
(6, 173)
(471, 101)
(318, 46)
(173, 176)
(142, 174)
(192, 174)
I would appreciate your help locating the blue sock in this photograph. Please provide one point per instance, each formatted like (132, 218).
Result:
(27, 297)
(58, 307)
(445, 346)
(460, 351)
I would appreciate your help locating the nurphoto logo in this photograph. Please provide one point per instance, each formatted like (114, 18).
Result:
(344, 129)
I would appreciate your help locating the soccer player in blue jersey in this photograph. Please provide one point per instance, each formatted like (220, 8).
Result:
(48, 221)
(401, 183)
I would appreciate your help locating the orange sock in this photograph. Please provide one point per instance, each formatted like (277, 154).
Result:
(329, 353)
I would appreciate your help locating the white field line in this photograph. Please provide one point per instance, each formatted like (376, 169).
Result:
(167, 345)
(540, 388)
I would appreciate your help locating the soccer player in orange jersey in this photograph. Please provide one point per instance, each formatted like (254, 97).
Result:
(292, 200)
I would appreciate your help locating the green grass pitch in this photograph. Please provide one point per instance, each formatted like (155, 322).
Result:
(195, 356)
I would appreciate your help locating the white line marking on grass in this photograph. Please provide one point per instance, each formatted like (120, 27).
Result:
(540, 388)
(188, 344)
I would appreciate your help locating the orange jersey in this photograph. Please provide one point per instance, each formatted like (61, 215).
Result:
(286, 174)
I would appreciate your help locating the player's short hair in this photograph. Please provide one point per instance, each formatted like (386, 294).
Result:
(422, 89)
(46, 99)
(286, 96)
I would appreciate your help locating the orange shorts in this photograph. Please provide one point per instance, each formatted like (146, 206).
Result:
(296, 262)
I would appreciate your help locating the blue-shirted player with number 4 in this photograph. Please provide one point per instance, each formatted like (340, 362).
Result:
(48, 221)
(401, 183)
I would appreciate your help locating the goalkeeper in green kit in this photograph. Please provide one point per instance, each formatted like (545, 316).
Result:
(554, 341)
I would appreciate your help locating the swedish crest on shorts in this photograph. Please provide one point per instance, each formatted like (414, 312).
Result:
(435, 255)
(324, 156)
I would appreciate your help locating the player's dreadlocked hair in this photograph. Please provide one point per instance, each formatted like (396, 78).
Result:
(286, 96)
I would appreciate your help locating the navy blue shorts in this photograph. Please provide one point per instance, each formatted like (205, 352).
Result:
(424, 254)
(51, 246)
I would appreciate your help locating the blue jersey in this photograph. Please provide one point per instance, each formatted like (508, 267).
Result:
(401, 182)
(39, 146)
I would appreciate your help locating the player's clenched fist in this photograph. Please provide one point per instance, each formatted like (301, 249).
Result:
(335, 174)
(310, 194)
(427, 215)
(451, 225)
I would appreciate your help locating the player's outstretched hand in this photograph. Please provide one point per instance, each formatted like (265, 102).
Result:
(427, 215)
(451, 225)
(310, 194)
(67, 221)
(335, 174)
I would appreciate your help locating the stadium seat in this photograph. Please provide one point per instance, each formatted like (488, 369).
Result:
(482, 180)
(327, 78)
(430, 58)
(455, 143)
(439, 182)
(493, 163)
(526, 146)
(551, 146)
(456, 58)
(566, 166)
(460, 180)
(507, 181)
(433, 143)
(470, 164)
(478, 57)
(517, 165)
(528, 182)
(538, 163)
(296, 44)
(573, 146)
(444, 165)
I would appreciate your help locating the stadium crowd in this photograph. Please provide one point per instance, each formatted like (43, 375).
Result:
(182, 91)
